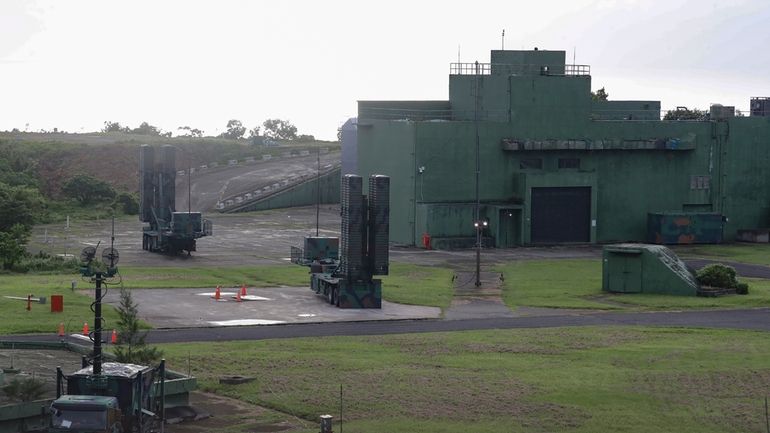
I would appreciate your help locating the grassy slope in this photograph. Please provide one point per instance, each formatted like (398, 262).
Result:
(578, 380)
(577, 284)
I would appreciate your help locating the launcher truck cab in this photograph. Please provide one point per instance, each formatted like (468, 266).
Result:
(85, 414)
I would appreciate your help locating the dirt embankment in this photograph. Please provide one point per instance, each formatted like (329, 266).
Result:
(116, 164)
(114, 158)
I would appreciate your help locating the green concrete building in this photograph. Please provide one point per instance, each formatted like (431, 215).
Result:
(555, 166)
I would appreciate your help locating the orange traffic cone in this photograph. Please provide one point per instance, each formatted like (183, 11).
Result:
(85, 329)
(114, 338)
(243, 290)
(217, 294)
(61, 329)
(238, 297)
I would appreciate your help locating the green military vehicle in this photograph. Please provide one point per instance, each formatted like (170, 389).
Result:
(86, 414)
(118, 398)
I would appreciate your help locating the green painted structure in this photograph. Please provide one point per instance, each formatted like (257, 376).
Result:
(641, 268)
(555, 166)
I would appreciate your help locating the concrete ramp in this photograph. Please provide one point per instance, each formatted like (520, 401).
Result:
(299, 192)
(642, 268)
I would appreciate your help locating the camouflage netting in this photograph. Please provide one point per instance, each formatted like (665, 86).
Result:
(114, 369)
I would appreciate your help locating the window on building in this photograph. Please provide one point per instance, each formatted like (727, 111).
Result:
(569, 162)
(700, 182)
(531, 163)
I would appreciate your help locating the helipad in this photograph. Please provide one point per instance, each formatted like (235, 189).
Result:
(186, 308)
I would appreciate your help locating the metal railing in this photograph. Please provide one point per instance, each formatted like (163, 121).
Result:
(502, 115)
(384, 113)
(511, 69)
(389, 113)
(577, 70)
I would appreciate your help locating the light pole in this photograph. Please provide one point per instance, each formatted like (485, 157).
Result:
(480, 225)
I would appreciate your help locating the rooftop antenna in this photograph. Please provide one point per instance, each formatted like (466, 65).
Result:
(458, 53)
(503, 40)
(574, 48)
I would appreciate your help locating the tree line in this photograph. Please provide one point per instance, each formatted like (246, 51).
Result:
(276, 129)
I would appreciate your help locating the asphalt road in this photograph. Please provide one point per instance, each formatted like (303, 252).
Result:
(749, 319)
(208, 186)
(743, 269)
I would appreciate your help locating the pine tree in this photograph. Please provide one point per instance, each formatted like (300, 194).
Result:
(132, 347)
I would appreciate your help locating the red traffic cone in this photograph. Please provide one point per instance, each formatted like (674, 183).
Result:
(243, 290)
(218, 293)
(85, 329)
(114, 338)
(61, 329)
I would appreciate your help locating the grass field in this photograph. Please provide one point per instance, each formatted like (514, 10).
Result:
(527, 380)
(418, 285)
(173, 277)
(578, 284)
(77, 310)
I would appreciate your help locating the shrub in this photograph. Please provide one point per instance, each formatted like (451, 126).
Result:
(25, 389)
(128, 203)
(742, 289)
(717, 275)
(44, 262)
(87, 189)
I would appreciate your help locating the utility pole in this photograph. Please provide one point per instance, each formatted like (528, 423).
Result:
(477, 216)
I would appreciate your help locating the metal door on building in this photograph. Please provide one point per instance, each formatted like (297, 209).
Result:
(624, 273)
(508, 232)
(561, 215)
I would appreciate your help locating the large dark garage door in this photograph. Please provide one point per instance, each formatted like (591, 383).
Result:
(561, 214)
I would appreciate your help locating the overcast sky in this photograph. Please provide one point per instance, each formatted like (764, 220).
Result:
(75, 64)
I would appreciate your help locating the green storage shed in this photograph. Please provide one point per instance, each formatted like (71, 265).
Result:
(642, 268)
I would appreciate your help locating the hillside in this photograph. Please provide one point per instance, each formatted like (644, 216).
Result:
(114, 157)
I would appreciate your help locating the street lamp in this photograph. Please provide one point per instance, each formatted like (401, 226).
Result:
(480, 225)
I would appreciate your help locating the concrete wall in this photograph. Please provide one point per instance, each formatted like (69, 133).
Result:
(625, 110)
(507, 62)
(303, 194)
(743, 146)
(390, 150)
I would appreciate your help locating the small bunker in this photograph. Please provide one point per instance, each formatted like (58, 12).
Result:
(642, 268)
